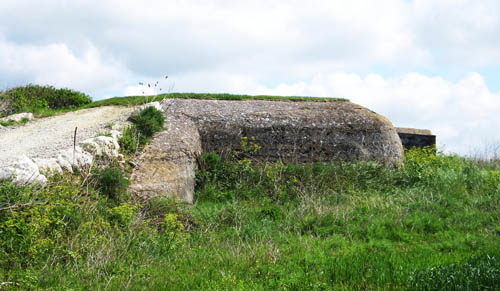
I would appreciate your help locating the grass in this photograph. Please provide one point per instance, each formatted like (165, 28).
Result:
(138, 100)
(45, 101)
(14, 123)
(432, 225)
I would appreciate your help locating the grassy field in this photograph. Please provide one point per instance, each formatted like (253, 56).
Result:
(432, 225)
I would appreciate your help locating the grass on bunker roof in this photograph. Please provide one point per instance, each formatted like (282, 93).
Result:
(137, 100)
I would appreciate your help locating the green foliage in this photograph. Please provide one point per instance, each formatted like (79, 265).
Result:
(33, 222)
(37, 99)
(148, 121)
(123, 214)
(145, 123)
(111, 183)
(478, 273)
(129, 140)
(14, 123)
(431, 225)
(172, 232)
(138, 100)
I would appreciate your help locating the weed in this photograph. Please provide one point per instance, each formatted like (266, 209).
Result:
(14, 123)
(148, 121)
(478, 273)
(129, 140)
(111, 183)
(145, 123)
(430, 225)
(104, 134)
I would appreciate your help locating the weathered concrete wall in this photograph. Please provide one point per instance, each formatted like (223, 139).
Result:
(166, 166)
(286, 131)
(293, 131)
(419, 138)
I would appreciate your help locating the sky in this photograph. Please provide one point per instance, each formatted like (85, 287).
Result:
(432, 64)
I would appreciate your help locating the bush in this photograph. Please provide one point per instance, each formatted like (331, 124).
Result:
(36, 98)
(148, 121)
(129, 141)
(110, 182)
(33, 221)
(145, 123)
(123, 214)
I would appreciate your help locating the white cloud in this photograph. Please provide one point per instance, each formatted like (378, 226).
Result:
(55, 64)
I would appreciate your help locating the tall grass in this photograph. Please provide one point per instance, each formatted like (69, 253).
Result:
(432, 225)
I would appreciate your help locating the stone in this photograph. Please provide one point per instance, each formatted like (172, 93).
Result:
(23, 171)
(116, 134)
(17, 117)
(78, 158)
(48, 166)
(298, 132)
(103, 146)
(166, 166)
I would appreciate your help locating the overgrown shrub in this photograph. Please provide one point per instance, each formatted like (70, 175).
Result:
(32, 222)
(148, 121)
(36, 98)
(112, 184)
(129, 141)
(145, 123)
(123, 214)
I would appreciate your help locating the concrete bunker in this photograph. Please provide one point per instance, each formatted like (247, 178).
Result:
(286, 131)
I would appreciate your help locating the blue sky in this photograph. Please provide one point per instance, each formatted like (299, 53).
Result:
(426, 63)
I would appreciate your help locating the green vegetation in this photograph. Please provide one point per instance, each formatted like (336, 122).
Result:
(145, 123)
(110, 182)
(47, 100)
(432, 225)
(137, 100)
(14, 123)
(41, 100)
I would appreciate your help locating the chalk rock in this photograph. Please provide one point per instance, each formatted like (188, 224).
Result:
(166, 166)
(17, 117)
(116, 134)
(69, 158)
(101, 146)
(49, 165)
(23, 171)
